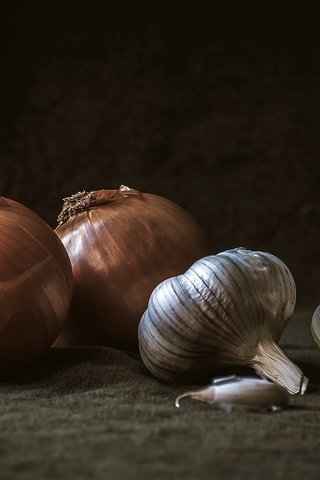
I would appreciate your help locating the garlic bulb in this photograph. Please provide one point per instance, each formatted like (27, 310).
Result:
(227, 309)
(229, 392)
(315, 326)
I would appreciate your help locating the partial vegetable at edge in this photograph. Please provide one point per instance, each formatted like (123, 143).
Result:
(315, 326)
(35, 285)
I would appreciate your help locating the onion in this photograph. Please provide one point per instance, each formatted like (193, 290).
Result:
(35, 285)
(121, 243)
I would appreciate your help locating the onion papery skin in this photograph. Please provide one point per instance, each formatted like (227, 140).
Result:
(35, 286)
(121, 244)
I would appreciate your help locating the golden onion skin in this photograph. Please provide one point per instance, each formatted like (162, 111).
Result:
(122, 243)
(35, 285)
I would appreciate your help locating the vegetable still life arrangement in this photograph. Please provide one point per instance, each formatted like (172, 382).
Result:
(134, 270)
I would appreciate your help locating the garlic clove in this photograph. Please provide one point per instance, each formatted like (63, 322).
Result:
(315, 326)
(247, 392)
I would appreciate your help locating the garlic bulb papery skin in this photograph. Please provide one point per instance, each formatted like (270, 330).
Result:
(229, 392)
(315, 326)
(227, 309)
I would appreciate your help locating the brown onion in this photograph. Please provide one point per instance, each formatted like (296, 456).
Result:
(121, 243)
(35, 285)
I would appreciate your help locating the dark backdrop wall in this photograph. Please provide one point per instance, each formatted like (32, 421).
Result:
(218, 110)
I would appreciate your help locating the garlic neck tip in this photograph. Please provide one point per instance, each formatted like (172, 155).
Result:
(271, 362)
(304, 385)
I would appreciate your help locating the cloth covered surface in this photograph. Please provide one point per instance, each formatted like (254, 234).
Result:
(96, 413)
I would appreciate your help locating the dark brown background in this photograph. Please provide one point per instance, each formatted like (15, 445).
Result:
(218, 110)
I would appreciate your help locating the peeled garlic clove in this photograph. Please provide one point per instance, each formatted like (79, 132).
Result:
(315, 326)
(241, 391)
(227, 309)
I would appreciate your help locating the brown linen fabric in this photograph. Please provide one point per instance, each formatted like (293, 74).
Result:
(97, 413)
